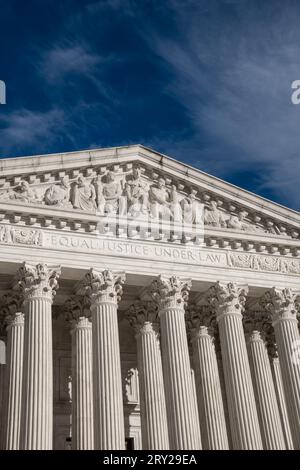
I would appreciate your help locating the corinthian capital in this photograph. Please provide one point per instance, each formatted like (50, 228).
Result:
(280, 304)
(39, 280)
(260, 321)
(103, 286)
(143, 317)
(77, 310)
(11, 309)
(227, 298)
(198, 316)
(170, 292)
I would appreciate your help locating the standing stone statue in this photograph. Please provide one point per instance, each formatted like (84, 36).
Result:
(136, 192)
(99, 194)
(175, 206)
(112, 192)
(191, 209)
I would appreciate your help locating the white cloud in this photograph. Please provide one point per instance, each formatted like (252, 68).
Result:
(69, 59)
(24, 128)
(233, 75)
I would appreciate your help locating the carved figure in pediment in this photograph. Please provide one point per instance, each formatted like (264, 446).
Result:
(59, 194)
(99, 194)
(84, 196)
(191, 209)
(239, 222)
(22, 193)
(175, 205)
(159, 200)
(213, 216)
(111, 192)
(136, 192)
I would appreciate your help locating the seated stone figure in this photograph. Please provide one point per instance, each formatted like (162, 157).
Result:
(213, 216)
(84, 196)
(239, 222)
(22, 193)
(159, 200)
(59, 194)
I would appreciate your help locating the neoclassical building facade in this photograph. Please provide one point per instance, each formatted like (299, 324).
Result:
(144, 304)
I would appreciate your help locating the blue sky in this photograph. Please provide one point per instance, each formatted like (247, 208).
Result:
(205, 81)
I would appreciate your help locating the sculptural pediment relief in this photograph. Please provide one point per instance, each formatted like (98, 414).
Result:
(138, 188)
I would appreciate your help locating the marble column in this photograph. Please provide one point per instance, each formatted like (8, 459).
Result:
(78, 314)
(143, 317)
(271, 429)
(38, 283)
(228, 299)
(14, 320)
(208, 387)
(2, 431)
(280, 304)
(277, 378)
(104, 290)
(171, 295)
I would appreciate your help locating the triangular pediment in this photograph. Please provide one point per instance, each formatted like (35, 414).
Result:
(72, 188)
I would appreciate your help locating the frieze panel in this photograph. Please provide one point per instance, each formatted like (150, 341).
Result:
(10, 235)
(20, 236)
(264, 263)
(138, 191)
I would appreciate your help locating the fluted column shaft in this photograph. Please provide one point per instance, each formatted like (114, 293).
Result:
(271, 429)
(13, 398)
(282, 404)
(82, 386)
(228, 301)
(288, 340)
(2, 408)
(104, 290)
(153, 405)
(183, 424)
(210, 403)
(280, 303)
(38, 283)
(144, 320)
(108, 399)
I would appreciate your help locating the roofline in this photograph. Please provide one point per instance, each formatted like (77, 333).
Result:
(149, 149)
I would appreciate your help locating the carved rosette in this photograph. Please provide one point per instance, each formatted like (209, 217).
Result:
(227, 298)
(143, 317)
(77, 311)
(103, 286)
(38, 281)
(170, 292)
(280, 304)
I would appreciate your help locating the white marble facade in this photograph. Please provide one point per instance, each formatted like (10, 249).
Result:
(146, 305)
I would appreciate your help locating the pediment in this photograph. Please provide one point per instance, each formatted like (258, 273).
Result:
(73, 189)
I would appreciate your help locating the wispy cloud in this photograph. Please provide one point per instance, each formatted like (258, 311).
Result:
(60, 61)
(234, 77)
(25, 128)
